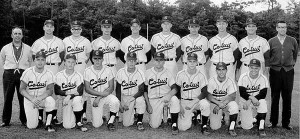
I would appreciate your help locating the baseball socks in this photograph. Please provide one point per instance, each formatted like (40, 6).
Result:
(84, 119)
(55, 121)
(204, 128)
(232, 120)
(79, 125)
(110, 124)
(261, 123)
(139, 124)
(40, 124)
(49, 116)
(174, 118)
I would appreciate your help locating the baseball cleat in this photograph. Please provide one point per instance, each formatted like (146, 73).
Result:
(169, 121)
(4, 125)
(84, 120)
(271, 126)
(175, 130)
(111, 127)
(80, 126)
(205, 131)
(56, 122)
(232, 133)
(49, 128)
(140, 126)
(262, 133)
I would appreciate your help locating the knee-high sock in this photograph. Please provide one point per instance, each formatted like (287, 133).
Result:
(232, 119)
(78, 115)
(41, 112)
(54, 114)
(261, 120)
(204, 120)
(84, 107)
(174, 118)
(140, 118)
(112, 117)
(49, 117)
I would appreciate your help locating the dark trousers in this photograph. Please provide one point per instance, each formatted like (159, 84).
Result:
(281, 82)
(11, 81)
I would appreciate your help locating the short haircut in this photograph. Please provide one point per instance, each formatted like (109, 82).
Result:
(280, 21)
(16, 27)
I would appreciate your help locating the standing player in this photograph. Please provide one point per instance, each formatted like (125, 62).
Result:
(253, 46)
(222, 93)
(137, 44)
(130, 90)
(161, 88)
(193, 87)
(253, 87)
(195, 43)
(16, 57)
(168, 43)
(69, 85)
(81, 47)
(37, 88)
(54, 49)
(223, 47)
(99, 83)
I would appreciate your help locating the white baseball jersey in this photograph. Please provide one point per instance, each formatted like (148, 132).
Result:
(198, 46)
(108, 47)
(130, 81)
(79, 47)
(223, 48)
(253, 86)
(52, 48)
(37, 82)
(166, 44)
(159, 83)
(191, 85)
(68, 83)
(221, 89)
(253, 49)
(140, 46)
(98, 79)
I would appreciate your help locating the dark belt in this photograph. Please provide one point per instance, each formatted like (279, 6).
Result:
(169, 59)
(226, 64)
(79, 63)
(110, 65)
(199, 64)
(50, 63)
(139, 63)
(187, 99)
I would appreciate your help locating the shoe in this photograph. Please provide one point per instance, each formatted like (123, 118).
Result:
(232, 133)
(84, 120)
(287, 127)
(205, 131)
(175, 130)
(262, 133)
(49, 128)
(169, 121)
(80, 126)
(40, 124)
(4, 125)
(238, 125)
(111, 127)
(140, 126)
(56, 122)
(271, 125)
(194, 120)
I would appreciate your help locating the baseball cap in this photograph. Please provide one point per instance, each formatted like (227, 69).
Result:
(40, 53)
(221, 65)
(192, 56)
(135, 21)
(97, 53)
(166, 19)
(254, 62)
(106, 23)
(75, 24)
(49, 22)
(221, 18)
(159, 55)
(193, 22)
(71, 56)
(250, 21)
(131, 56)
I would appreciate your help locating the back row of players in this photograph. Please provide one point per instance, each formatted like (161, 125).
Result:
(183, 92)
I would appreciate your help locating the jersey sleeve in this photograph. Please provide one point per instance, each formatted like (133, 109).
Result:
(210, 44)
(88, 47)
(119, 76)
(152, 42)
(171, 79)
(123, 43)
(266, 46)
(205, 45)
(50, 78)
(232, 87)
(94, 44)
(110, 74)
(86, 75)
(178, 80)
(147, 46)
(118, 45)
(25, 76)
(235, 44)
(34, 47)
(210, 86)
(203, 81)
(178, 42)
(61, 45)
(142, 77)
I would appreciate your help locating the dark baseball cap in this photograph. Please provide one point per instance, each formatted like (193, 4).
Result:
(40, 53)
(97, 53)
(254, 62)
(76, 24)
(70, 56)
(49, 22)
(221, 18)
(131, 56)
(135, 21)
(166, 19)
(221, 65)
(106, 23)
(193, 22)
(250, 21)
(191, 56)
(159, 55)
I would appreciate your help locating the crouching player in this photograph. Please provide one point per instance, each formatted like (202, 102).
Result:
(222, 91)
(99, 83)
(130, 90)
(193, 87)
(69, 85)
(160, 92)
(37, 88)
(253, 90)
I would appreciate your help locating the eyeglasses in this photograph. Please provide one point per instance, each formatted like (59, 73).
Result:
(76, 29)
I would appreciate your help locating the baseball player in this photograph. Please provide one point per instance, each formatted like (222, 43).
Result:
(222, 93)
(223, 47)
(193, 87)
(160, 92)
(69, 85)
(99, 83)
(195, 43)
(81, 47)
(37, 88)
(137, 44)
(252, 46)
(168, 43)
(54, 49)
(130, 90)
(253, 86)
